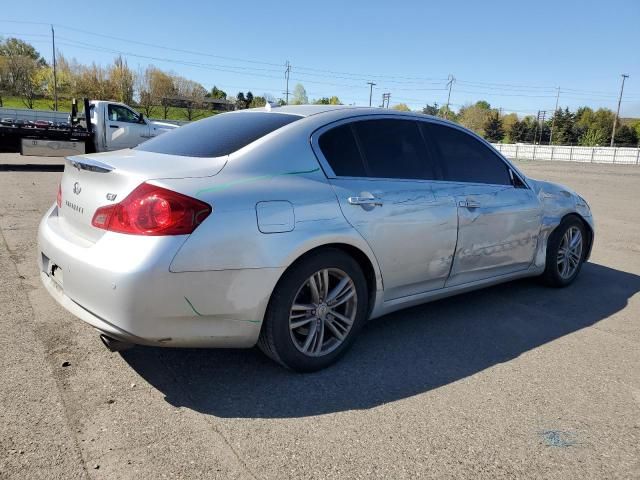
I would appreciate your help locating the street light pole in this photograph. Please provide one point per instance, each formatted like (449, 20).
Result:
(615, 121)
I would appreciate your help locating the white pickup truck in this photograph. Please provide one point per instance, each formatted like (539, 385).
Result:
(112, 126)
(117, 126)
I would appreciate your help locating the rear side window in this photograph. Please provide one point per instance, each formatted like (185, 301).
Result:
(218, 135)
(394, 149)
(339, 147)
(465, 159)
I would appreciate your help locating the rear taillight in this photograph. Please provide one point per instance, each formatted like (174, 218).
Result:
(59, 197)
(152, 210)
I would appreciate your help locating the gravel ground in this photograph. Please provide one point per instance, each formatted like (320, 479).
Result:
(514, 381)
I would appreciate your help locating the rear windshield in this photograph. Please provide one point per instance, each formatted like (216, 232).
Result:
(218, 135)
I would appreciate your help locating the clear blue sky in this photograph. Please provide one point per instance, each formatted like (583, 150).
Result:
(510, 53)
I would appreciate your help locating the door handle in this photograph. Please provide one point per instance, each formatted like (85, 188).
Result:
(114, 126)
(373, 201)
(469, 203)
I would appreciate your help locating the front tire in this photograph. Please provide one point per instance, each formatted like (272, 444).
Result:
(566, 251)
(315, 311)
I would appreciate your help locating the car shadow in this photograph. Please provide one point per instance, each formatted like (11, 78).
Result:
(396, 356)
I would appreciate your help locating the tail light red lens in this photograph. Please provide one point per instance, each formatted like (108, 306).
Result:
(152, 210)
(59, 196)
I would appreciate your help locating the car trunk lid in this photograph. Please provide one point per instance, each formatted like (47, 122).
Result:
(95, 180)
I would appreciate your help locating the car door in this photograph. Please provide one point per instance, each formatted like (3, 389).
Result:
(382, 175)
(499, 217)
(125, 128)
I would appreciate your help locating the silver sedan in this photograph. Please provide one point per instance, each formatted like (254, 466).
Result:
(291, 227)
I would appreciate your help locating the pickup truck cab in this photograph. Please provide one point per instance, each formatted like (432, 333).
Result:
(117, 126)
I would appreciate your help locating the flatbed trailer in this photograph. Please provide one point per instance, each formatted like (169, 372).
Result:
(34, 140)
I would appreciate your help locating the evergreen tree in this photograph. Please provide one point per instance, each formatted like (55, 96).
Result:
(493, 129)
(625, 137)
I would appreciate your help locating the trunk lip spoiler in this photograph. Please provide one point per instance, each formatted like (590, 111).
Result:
(90, 164)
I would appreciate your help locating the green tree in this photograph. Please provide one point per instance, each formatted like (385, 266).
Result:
(248, 100)
(431, 109)
(328, 101)
(401, 107)
(217, 93)
(636, 126)
(475, 116)
(122, 80)
(493, 129)
(593, 137)
(507, 122)
(299, 95)
(523, 130)
(446, 112)
(241, 102)
(258, 102)
(565, 130)
(625, 137)
(20, 69)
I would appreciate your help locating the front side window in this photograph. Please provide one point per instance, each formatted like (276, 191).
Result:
(464, 158)
(118, 113)
(218, 135)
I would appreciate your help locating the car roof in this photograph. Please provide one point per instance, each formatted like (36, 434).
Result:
(335, 111)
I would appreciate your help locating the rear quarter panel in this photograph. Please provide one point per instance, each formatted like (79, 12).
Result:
(279, 167)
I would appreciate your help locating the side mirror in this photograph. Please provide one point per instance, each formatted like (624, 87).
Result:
(141, 118)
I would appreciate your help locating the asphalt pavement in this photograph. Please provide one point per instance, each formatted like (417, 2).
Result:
(516, 381)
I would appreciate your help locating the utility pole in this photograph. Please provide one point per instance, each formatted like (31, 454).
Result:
(371, 85)
(553, 120)
(286, 74)
(540, 122)
(55, 74)
(449, 84)
(615, 121)
(385, 100)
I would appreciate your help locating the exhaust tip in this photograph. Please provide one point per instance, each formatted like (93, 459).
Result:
(115, 345)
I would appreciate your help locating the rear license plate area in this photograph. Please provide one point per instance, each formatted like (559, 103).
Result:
(53, 270)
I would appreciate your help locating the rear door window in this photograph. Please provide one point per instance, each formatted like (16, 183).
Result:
(464, 158)
(394, 149)
(218, 135)
(380, 148)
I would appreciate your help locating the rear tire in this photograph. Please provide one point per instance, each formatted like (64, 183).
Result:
(315, 311)
(566, 251)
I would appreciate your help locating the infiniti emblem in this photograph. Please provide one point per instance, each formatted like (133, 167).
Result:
(76, 188)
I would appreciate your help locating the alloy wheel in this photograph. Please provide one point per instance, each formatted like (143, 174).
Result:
(569, 253)
(323, 312)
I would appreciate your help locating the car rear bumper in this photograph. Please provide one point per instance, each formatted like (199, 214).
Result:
(122, 286)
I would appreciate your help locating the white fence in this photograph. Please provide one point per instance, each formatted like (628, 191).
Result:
(562, 153)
